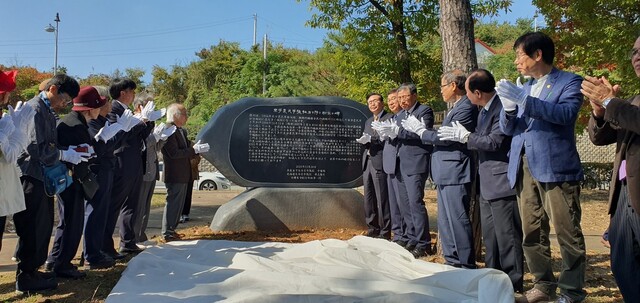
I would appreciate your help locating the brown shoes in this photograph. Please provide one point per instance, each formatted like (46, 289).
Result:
(533, 295)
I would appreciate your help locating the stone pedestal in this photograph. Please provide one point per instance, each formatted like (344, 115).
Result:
(286, 209)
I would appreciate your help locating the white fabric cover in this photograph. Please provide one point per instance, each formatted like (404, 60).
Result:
(361, 269)
(11, 194)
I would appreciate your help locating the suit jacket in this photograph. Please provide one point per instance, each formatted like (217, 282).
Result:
(373, 149)
(43, 145)
(544, 130)
(390, 152)
(451, 162)
(129, 154)
(73, 130)
(621, 125)
(492, 147)
(414, 154)
(176, 154)
(104, 150)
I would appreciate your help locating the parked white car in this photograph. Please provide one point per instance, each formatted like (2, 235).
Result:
(212, 181)
(207, 181)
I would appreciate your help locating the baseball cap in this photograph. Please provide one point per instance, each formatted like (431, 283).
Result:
(88, 98)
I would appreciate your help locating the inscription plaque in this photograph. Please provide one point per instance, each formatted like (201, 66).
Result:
(288, 142)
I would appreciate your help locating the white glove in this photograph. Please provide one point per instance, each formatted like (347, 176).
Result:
(508, 105)
(6, 128)
(108, 131)
(148, 110)
(386, 128)
(366, 138)
(162, 132)
(127, 120)
(519, 83)
(90, 150)
(507, 90)
(412, 124)
(157, 114)
(456, 132)
(22, 116)
(73, 156)
(201, 147)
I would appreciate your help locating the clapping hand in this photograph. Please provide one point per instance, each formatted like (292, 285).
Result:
(456, 132)
(386, 128)
(414, 125)
(162, 132)
(366, 138)
(201, 147)
(510, 94)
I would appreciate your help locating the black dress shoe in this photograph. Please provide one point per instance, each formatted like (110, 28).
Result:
(102, 264)
(48, 266)
(129, 250)
(114, 255)
(401, 243)
(47, 275)
(410, 247)
(33, 282)
(70, 273)
(171, 237)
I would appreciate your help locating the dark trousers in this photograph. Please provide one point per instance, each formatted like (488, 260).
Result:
(454, 226)
(403, 205)
(144, 207)
(3, 222)
(69, 230)
(398, 227)
(502, 235)
(376, 202)
(558, 202)
(186, 209)
(122, 210)
(173, 208)
(414, 185)
(95, 216)
(624, 237)
(33, 226)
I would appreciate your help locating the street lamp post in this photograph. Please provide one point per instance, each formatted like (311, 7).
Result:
(54, 30)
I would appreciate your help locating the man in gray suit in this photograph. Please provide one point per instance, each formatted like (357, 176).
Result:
(500, 219)
(452, 172)
(176, 153)
(376, 196)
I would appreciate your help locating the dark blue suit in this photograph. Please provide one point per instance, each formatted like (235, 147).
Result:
(500, 219)
(376, 195)
(452, 172)
(414, 168)
(401, 222)
(126, 183)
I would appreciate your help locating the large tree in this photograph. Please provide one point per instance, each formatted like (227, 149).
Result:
(456, 31)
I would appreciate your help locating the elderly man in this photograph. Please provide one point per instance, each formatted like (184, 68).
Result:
(500, 219)
(35, 223)
(177, 153)
(544, 166)
(376, 196)
(452, 172)
(614, 120)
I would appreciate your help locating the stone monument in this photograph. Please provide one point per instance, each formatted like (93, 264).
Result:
(297, 157)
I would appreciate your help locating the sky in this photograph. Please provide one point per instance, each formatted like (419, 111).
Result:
(98, 37)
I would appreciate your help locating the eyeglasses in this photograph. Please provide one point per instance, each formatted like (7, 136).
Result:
(634, 52)
(404, 97)
(445, 85)
(66, 98)
(520, 55)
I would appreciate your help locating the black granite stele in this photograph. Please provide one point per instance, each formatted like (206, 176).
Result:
(306, 142)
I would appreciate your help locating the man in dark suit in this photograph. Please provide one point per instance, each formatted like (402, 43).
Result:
(540, 115)
(177, 153)
(376, 195)
(452, 172)
(614, 120)
(127, 172)
(34, 224)
(500, 219)
(401, 223)
(414, 165)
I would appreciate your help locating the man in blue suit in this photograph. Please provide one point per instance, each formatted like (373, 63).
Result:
(401, 224)
(500, 218)
(376, 196)
(452, 172)
(544, 166)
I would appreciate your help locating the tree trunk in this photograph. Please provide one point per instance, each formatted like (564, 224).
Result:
(459, 52)
(402, 52)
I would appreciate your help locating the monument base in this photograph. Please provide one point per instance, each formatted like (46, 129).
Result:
(285, 209)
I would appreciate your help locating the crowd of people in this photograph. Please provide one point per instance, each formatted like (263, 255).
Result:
(110, 153)
(515, 141)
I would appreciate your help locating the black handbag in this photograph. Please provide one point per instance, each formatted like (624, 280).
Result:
(89, 185)
(57, 178)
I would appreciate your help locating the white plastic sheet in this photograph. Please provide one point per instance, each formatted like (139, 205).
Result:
(361, 269)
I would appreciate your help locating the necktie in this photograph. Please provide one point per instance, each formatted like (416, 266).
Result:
(375, 118)
(483, 114)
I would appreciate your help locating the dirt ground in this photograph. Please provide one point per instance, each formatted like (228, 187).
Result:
(96, 286)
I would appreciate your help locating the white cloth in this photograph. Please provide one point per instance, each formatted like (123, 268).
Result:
(12, 197)
(361, 269)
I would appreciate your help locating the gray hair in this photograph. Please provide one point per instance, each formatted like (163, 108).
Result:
(103, 91)
(174, 111)
(408, 86)
(142, 99)
(455, 76)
